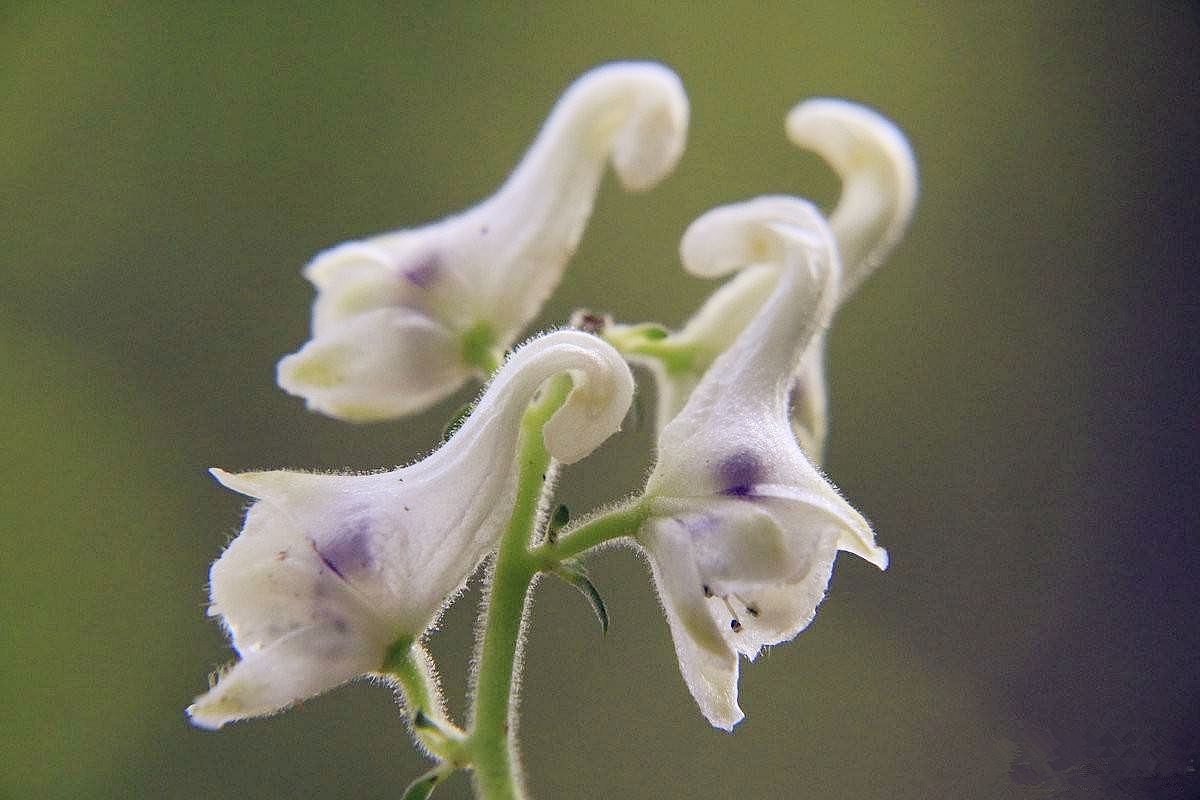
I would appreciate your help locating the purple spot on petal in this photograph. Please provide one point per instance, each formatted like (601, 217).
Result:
(332, 565)
(738, 473)
(348, 552)
(424, 273)
(696, 524)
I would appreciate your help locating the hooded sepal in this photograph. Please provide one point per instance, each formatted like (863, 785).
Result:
(403, 319)
(744, 528)
(330, 570)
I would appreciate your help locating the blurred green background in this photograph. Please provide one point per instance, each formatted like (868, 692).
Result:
(1014, 394)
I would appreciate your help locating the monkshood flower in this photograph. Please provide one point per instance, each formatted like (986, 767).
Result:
(744, 529)
(330, 570)
(878, 197)
(403, 319)
(879, 190)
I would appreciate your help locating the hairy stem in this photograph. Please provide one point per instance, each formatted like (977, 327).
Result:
(621, 521)
(493, 717)
(409, 668)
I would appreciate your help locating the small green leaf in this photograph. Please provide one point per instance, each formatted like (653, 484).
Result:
(423, 786)
(573, 573)
(558, 521)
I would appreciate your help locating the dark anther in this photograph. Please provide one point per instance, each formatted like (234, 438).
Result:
(737, 626)
(589, 321)
(707, 591)
(752, 611)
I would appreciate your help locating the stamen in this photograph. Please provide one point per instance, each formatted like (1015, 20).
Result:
(751, 608)
(733, 622)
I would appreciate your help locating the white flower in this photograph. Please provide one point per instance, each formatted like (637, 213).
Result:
(679, 360)
(403, 319)
(879, 180)
(744, 529)
(879, 190)
(879, 194)
(330, 570)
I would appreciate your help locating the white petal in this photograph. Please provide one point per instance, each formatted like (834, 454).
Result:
(329, 570)
(299, 665)
(736, 504)
(878, 196)
(814, 504)
(489, 268)
(601, 395)
(379, 364)
(740, 407)
(783, 609)
(879, 179)
(392, 271)
(707, 334)
(708, 664)
(301, 622)
(732, 542)
(764, 563)
(810, 400)
(279, 485)
(593, 411)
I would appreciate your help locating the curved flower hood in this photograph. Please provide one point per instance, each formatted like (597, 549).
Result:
(879, 194)
(744, 529)
(403, 319)
(330, 570)
(879, 190)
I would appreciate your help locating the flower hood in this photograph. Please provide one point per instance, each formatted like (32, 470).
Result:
(744, 528)
(403, 319)
(330, 570)
(879, 190)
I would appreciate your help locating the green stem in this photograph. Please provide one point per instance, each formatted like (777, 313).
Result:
(478, 348)
(621, 521)
(675, 356)
(492, 720)
(408, 666)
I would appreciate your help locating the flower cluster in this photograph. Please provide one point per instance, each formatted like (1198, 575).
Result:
(738, 522)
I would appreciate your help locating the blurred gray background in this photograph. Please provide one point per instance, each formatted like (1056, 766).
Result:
(1013, 395)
